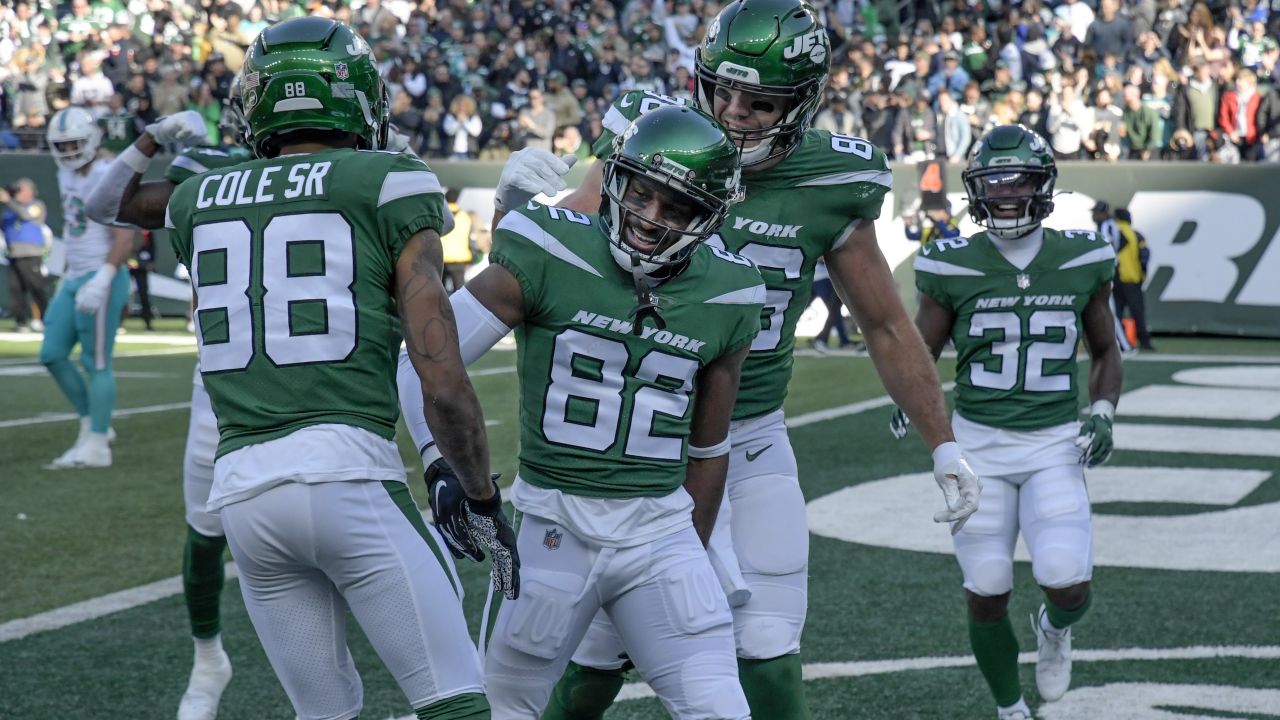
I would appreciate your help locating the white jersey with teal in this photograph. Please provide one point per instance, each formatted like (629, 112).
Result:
(86, 242)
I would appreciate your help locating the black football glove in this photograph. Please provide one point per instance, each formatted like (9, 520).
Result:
(470, 526)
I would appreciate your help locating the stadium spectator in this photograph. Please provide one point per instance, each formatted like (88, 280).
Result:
(26, 238)
(537, 122)
(1035, 116)
(92, 89)
(957, 135)
(1110, 33)
(837, 118)
(462, 127)
(1238, 116)
(563, 103)
(1141, 125)
(952, 78)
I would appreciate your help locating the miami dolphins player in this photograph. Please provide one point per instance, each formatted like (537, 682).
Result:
(809, 195)
(123, 199)
(1014, 299)
(301, 262)
(630, 336)
(87, 307)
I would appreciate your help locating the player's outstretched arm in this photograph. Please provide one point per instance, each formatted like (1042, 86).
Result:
(431, 338)
(717, 391)
(121, 198)
(864, 282)
(528, 172)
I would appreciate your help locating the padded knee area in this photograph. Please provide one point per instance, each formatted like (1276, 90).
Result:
(711, 690)
(1060, 565)
(770, 624)
(770, 534)
(990, 577)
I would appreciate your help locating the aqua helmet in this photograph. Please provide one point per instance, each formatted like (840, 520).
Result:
(1010, 180)
(775, 49)
(73, 137)
(673, 147)
(312, 73)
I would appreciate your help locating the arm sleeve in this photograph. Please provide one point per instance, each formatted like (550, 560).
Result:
(103, 203)
(478, 330)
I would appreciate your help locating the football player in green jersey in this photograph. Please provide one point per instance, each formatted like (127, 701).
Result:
(630, 334)
(809, 195)
(309, 263)
(1015, 299)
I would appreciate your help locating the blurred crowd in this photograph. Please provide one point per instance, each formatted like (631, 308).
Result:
(1098, 79)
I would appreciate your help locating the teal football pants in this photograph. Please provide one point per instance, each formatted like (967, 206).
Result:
(96, 335)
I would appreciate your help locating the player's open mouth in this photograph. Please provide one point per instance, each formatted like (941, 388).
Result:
(642, 241)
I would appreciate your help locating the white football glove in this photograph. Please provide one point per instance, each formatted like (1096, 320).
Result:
(528, 172)
(398, 142)
(960, 485)
(186, 128)
(92, 294)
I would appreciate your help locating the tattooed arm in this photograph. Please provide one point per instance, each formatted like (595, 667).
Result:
(431, 339)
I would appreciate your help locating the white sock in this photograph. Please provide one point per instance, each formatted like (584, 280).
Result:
(96, 441)
(86, 427)
(209, 650)
(1048, 627)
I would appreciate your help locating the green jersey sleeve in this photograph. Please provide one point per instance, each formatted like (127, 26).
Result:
(410, 199)
(623, 112)
(856, 172)
(196, 160)
(521, 244)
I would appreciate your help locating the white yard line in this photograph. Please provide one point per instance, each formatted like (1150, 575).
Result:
(64, 417)
(9, 362)
(126, 339)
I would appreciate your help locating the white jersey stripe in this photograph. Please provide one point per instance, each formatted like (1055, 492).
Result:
(937, 267)
(404, 184)
(528, 229)
(188, 163)
(746, 296)
(615, 122)
(878, 177)
(1101, 254)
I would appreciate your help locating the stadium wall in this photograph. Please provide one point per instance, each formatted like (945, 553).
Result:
(1213, 231)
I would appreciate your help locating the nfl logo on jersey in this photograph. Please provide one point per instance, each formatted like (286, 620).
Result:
(1024, 281)
(340, 70)
(552, 539)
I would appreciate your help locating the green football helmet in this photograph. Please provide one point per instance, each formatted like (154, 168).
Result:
(673, 148)
(774, 49)
(312, 73)
(1010, 180)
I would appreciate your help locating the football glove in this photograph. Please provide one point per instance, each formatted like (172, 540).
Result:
(959, 483)
(186, 128)
(899, 423)
(94, 293)
(528, 172)
(471, 526)
(1095, 440)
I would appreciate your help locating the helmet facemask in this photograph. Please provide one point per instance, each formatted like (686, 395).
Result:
(757, 145)
(656, 246)
(1010, 201)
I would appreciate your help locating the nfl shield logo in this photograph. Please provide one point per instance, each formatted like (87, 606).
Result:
(340, 70)
(1024, 281)
(552, 539)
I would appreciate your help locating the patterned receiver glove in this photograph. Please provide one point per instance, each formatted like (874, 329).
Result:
(960, 485)
(899, 423)
(94, 293)
(470, 526)
(186, 128)
(528, 172)
(1095, 441)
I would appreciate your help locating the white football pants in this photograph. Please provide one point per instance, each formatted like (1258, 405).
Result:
(664, 601)
(760, 550)
(197, 464)
(308, 553)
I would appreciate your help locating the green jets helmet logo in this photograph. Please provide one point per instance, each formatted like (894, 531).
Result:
(814, 44)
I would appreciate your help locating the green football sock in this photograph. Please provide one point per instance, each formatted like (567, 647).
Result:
(1060, 618)
(471, 706)
(583, 693)
(996, 649)
(774, 687)
(202, 580)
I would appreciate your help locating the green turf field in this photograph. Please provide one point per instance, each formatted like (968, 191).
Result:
(1188, 551)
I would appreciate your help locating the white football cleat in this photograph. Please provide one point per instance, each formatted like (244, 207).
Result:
(1053, 666)
(95, 452)
(204, 689)
(1016, 711)
(67, 460)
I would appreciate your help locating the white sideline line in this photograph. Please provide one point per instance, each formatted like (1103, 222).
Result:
(97, 607)
(861, 668)
(7, 362)
(63, 417)
(818, 416)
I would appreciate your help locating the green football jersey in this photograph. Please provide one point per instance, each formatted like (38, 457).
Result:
(793, 214)
(196, 160)
(293, 263)
(605, 412)
(119, 130)
(1016, 331)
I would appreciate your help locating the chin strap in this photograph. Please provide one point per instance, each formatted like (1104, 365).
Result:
(646, 301)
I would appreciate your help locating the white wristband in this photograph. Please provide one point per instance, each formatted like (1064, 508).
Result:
(945, 453)
(720, 448)
(430, 453)
(135, 159)
(107, 272)
(1105, 408)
